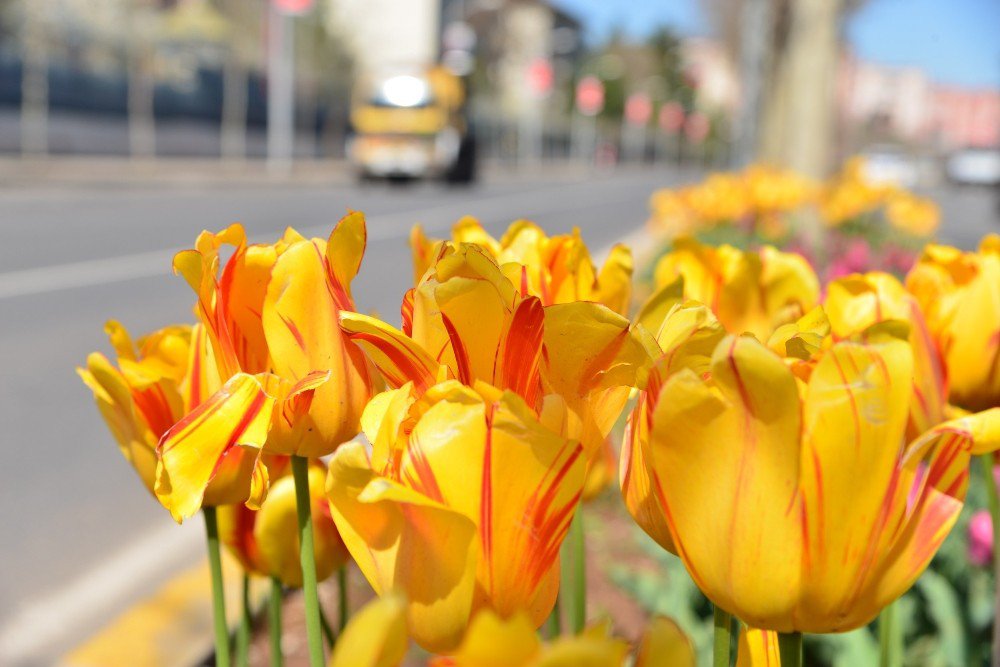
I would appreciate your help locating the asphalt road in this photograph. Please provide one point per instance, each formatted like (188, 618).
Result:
(80, 536)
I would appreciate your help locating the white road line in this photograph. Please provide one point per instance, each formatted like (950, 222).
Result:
(90, 273)
(103, 591)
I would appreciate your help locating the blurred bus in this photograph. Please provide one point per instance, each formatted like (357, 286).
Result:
(411, 124)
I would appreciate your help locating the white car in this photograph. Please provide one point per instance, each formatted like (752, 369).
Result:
(974, 166)
(889, 164)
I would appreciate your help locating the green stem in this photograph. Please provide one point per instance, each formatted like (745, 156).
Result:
(274, 622)
(324, 622)
(552, 623)
(890, 637)
(790, 649)
(573, 587)
(300, 473)
(243, 635)
(345, 607)
(721, 647)
(986, 461)
(218, 594)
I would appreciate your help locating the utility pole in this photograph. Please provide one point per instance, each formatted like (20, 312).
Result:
(34, 82)
(280, 89)
(755, 38)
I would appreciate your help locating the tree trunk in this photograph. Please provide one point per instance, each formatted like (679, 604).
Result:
(141, 122)
(799, 113)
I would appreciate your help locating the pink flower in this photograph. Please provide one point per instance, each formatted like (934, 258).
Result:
(858, 255)
(981, 539)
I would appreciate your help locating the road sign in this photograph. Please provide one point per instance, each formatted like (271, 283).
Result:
(540, 76)
(589, 96)
(293, 7)
(638, 109)
(671, 117)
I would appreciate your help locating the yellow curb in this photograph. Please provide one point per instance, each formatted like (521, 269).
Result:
(170, 628)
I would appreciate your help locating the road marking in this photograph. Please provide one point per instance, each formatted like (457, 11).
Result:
(91, 273)
(66, 613)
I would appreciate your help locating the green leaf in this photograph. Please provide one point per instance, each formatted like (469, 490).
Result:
(945, 611)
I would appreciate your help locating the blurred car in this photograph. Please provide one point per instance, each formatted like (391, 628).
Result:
(891, 164)
(974, 166)
(412, 124)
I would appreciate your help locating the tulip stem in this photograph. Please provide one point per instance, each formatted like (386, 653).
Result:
(573, 587)
(790, 649)
(314, 633)
(218, 594)
(243, 635)
(723, 638)
(345, 607)
(890, 637)
(552, 624)
(274, 622)
(324, 622)
(986, 461)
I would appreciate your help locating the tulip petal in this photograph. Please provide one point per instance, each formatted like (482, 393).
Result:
(424, 252)
(195, 450)
(406, 542)
(114, 401)
(936, 467)
(519, 355)
(654, 311)
(532, 481)
(521, 482)
(637, 478)
(758, 648)
(301, 322)
(664, 643)
(615, 280)
(494, 642)
(583, 651)
(202, 376)
(854, 418)
(344, 251)
(399, 358)
(727, 461)
(375, 637)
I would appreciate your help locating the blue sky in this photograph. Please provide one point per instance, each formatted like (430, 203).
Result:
(955, 41)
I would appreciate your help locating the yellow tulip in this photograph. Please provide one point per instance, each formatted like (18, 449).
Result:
(959, 293)
(773, 190)
(494, 642)
(266, 541)
(747, 290)
(857, 302)
(850, 194)
(158, 381)
(461, 505)
(293, 383)
(375, 637)
(787, 486)
(916, 215)
(572, 363)
(556, 269)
